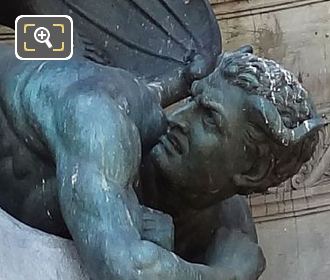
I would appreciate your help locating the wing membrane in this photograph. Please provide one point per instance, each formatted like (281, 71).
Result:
(150, 38)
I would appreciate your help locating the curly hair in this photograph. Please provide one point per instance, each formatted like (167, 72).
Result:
(265, 78)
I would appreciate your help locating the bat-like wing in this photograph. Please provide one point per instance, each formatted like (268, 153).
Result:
(150, 38)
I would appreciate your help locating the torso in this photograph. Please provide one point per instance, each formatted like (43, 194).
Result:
(28, 91)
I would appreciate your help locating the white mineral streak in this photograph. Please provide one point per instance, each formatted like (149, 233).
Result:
(43, 183)
(104, 184)
(49, 214)
(175, 257)
(307, 126)
(74, 177)
(156, 86)
(129, 218)
(264, 111)
(41, 66)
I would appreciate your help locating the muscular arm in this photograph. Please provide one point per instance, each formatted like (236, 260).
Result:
(177, 85)
(97, 156)
(235, 245)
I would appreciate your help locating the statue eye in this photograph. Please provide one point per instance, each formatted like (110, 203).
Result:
(208, 118)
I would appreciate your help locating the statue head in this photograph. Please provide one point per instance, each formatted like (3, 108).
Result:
(248, 126)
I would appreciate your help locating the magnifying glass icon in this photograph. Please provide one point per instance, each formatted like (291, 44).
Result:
(42, 35)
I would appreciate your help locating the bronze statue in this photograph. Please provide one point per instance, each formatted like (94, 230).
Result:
(92, 148)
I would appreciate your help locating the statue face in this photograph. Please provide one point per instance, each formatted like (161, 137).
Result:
(204, 147)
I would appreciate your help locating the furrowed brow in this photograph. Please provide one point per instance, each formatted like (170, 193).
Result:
(212, 105)
(217, 110)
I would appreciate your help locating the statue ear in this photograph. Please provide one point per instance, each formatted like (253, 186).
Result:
(257, 179)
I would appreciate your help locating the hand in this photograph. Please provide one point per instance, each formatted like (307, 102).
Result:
(233, 250)
(158, 228)
(199, 67)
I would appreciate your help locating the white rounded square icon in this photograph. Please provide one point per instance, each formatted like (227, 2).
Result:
(44, 37)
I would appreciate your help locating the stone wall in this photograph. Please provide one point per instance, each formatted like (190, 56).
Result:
(6, 34)
(292, 219)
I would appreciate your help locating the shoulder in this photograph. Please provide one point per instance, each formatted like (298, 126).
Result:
(93, 122)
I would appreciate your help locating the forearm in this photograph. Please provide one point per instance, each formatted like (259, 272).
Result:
(177, 85)
(170, 90)
(106, 234)
(163, 264)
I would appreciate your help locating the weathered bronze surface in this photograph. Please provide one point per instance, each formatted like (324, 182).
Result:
(89, 153)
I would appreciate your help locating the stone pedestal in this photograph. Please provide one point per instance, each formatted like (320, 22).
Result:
(26, 253)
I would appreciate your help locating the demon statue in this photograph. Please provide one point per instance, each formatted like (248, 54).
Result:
(146, 194)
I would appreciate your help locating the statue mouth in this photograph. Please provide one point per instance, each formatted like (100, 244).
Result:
(175, 142)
